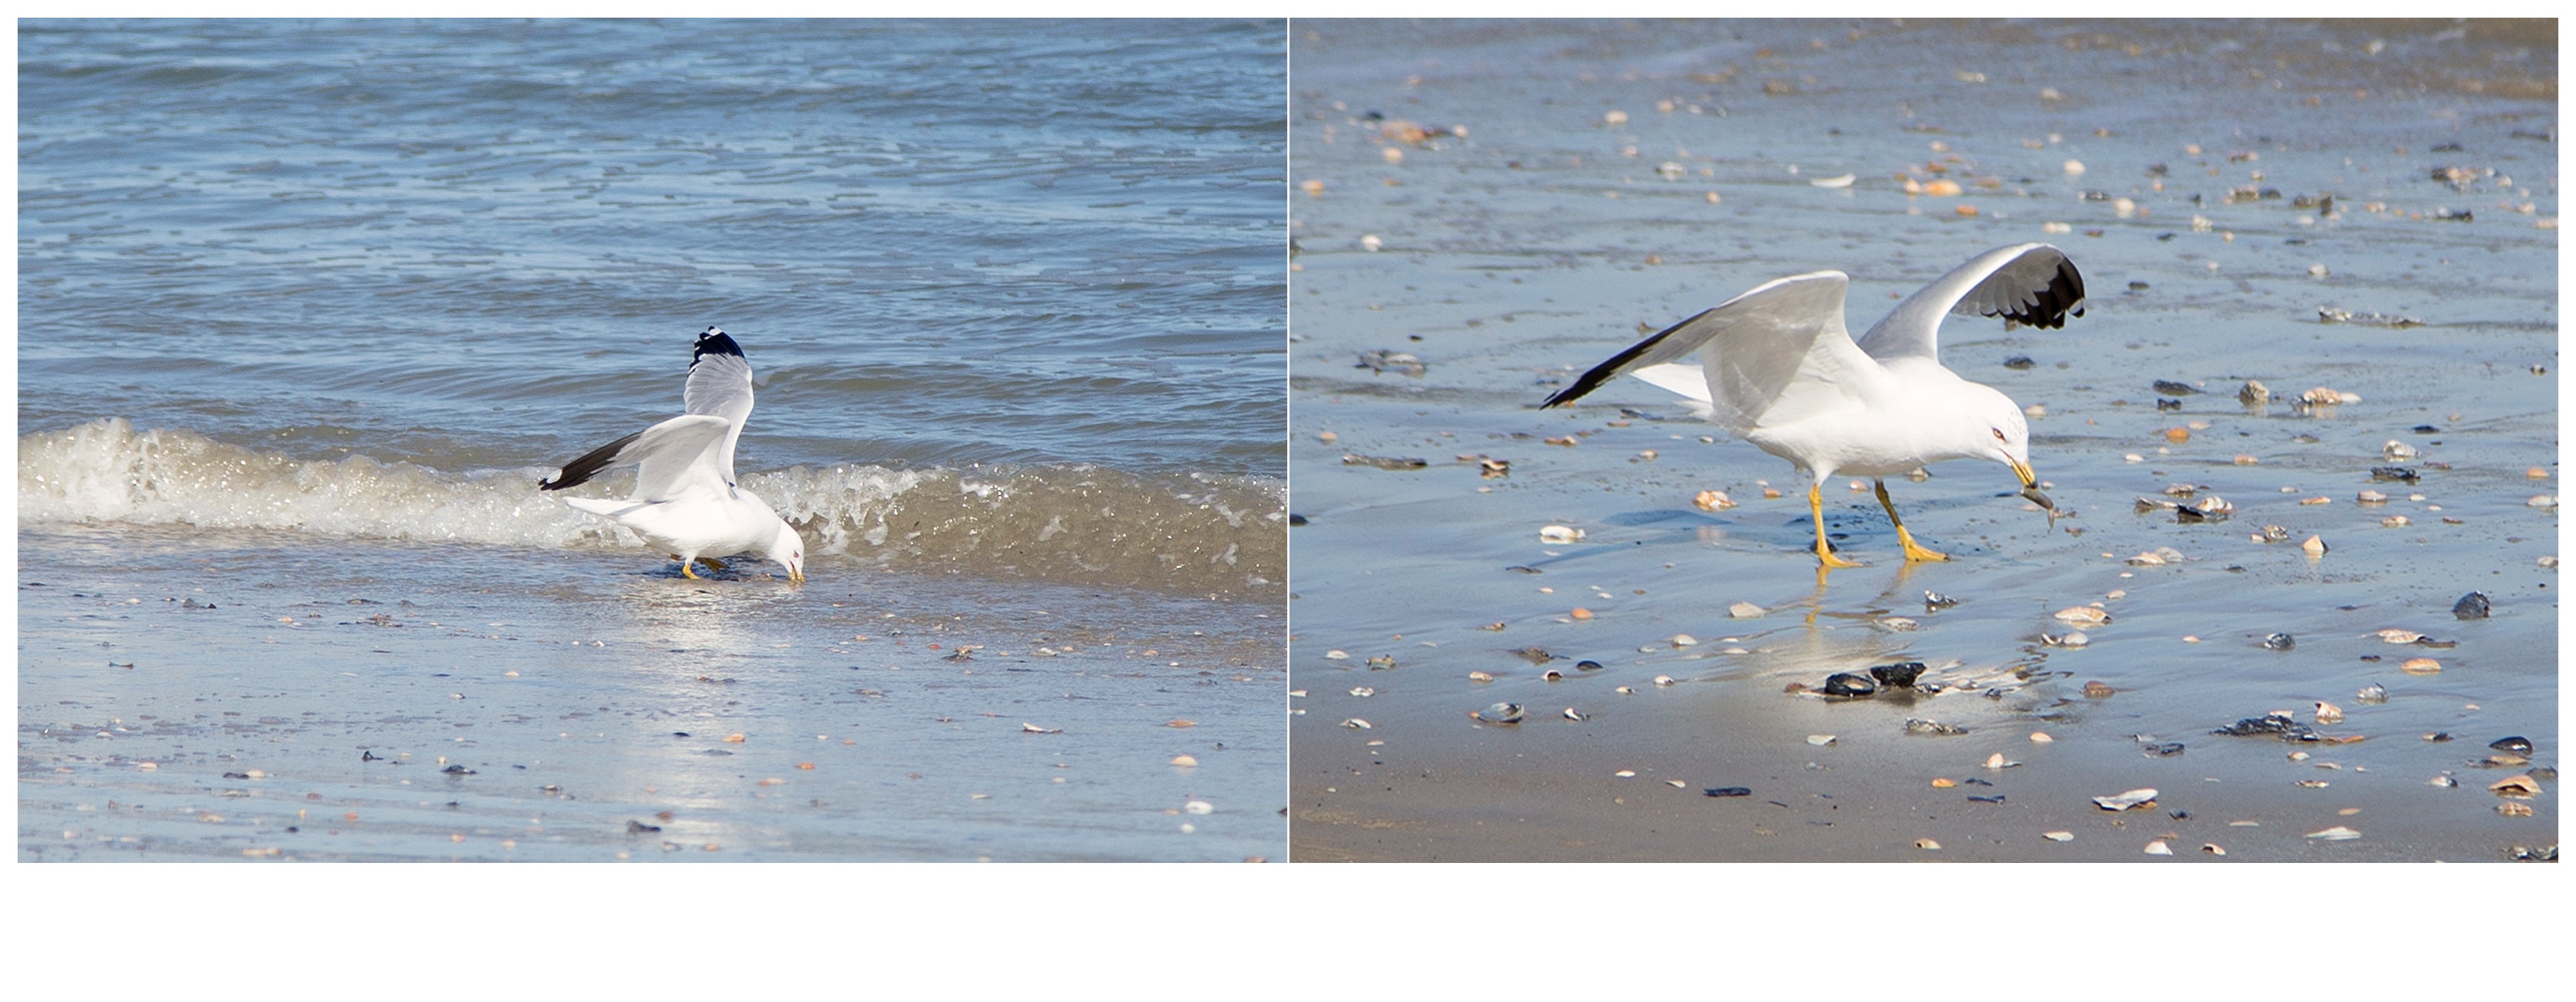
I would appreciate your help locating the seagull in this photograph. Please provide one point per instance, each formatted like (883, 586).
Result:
(685, 501)
(1777, 368)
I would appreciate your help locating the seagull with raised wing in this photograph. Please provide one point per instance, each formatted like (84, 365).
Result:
(1777, 368)
(685, 501)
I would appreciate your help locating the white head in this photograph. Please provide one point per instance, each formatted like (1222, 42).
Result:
(2002, 434)
(788, 549)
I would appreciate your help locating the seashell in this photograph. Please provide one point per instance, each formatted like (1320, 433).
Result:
(1943, 784)
(2395, 522)
(1663, 680)
(1624, 774)
(1198, 807)
(2212, 848)
(2371, 497)
(1477, 676)
(2069, 639)
(1933, 727)
(1744, 610)
(1363, 692)
(2337, 833)
(2542, 501)
(1935, 601)
(2131, 800)
(1670, 170)
(2443, 780)
(1369, 241)
(1587, 665)
(2395, 449)
(1625, 691)
(2313, 784)
(2159, 848)
(1356, 722)
(2372, 693)
(1820, 740)
(2167, 749)
(2517, 787)
(1559, 534)
(2098, 690)
(2040, 738)
(2513, 810)
(1899, 623)
(2147, 560)
(1569, 714)
(2315, 546)
(2083, 614)
(1337, 655)
(1382, 662)
(1925, 843)
(1184, 760)
(2516, 744)
(1713, 501)
(2279, 642)
(2328, 713)
(2399, 636)
(2058, 836)
(2421, 666)
(2473, 605)
(1998, 761)
(1552, 675)
(1580, 613)
(1676, 784)
(1837, 181)
(1029, 728)
(1499, 713)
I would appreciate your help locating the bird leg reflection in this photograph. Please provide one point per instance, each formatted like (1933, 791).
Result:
(1913, 550)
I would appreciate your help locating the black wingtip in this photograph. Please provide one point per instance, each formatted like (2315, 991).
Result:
(2063, 298)
(715, 342)
(580, 471)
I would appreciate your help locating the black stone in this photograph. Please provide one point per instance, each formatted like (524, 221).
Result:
(2516, 744)
(1587, 666)
(1848, 684)
(1295, 519)
(2385, 473)
(1901, 674)
(1727, 791)
(634, 827)
(2177, 389)
(2019, 362)
(2471, 606)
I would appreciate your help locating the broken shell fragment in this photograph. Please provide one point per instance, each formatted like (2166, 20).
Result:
(2372, 693)
(2395, 636)
(2473, 605)
(2517, 744)
(2443, 780)
(1499, 713)
(1478, 676)
(2316, 546)
(1936, 728)
(2040, 738)
(1935, 601)
(2513, 810)
(1998, 761)
(1663, 680)
(1820, 740)
(2337, 833)
(2279, 642)
(2132, 800)
(2421, 666)
(2328, 713)
(2058, 836)
(2083, 615)
(2517, 787)
(2212, 848)
(2159, 848)
(1356, 723)
(1925, 843)
(2098, 689)
(1849, 685)
(2070, 639)
(1559, 534)
(2167, 749)
(1744, 610)
(1570, 714)
(1713, 501)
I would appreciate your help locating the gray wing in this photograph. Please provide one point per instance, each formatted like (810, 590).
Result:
(674, 457)
(1770, 356)
(2032, 284)
(720, 384)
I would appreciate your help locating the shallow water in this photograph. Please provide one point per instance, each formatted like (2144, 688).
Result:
(1549, 237)
(344, 291)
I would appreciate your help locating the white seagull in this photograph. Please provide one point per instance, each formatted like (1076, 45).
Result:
(685, 500)
(1777, 368)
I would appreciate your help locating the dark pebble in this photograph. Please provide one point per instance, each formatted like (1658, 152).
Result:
(2516, 744)
(1587, 666)
(2473, 605)
(1517, 569)
(245, 775)
(2288, 729)
(2137, 286)
(2019, 362)
(2426, 429)
(2177, 389)
(2437, 737)
(1728, 791)
(1901, 674)
(1295, 519)
(2166, 750)
(679, 734)
(457, 770)
(634, 827)
(2280, 642)
(2397, 473)
(1848, 684)
(1996, 799)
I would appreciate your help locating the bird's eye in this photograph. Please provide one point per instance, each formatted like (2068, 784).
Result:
(1999, 433)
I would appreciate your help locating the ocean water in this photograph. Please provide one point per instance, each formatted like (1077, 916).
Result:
(1511, 203)
(344, 291)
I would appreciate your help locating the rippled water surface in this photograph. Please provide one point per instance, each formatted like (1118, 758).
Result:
(1511, 203)
(345, 290)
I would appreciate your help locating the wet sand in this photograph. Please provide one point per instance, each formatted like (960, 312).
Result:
(1554, 233)
(345, 701)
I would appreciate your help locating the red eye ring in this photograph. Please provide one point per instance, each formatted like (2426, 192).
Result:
(1999, 433)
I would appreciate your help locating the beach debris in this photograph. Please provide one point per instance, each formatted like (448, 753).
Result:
(1570, 714)
(2098, 689)
(2527, 854)
(2394, 474)
(2332, 315)
(1478, 676)
(1849, 685)
(1357, 723)
(2445, 780)
(1499, 713)
(2518, 787)
(2254, 394)
(2316, 546)
(1663, 680)
(1727, 791)
(1935, 601)
(2279, 642)
(2437, 737)
(1901, 674)
(2019, 362)
(1363, 691)
(1837, 181)
(1580, 613)
(1559, 534)
(1382, 662)
(2167, 749)
(1535, 655)
(1899, 623)
(1680, 640)
(1925, 843)
(2372, 693)
(1745, 610)
(2069, 639)
(1943, 783)
(2517, 744)
(2278, 723)
(2421, 666)
(2058, 836)
(2131, 800)
(1918, 725)
(2159, 848)
(1820, 740)
(2040, 738)
(1029, 728)
(2473, 605)
(2511, 809)
(2157, 557)
(1997, 761)
(1713, 501)
(1490, 468)
(2212, 848)
(1382, 360)
(2328, 713)
(1552, 675)
(2083, 615)
(2338, 833)
(1587, 666)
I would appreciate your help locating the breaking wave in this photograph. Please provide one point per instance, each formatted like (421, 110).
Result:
(1216, 535)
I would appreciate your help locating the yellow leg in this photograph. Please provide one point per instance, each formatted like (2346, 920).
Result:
(1824, 552)
(1913, 551)
(684, 572)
